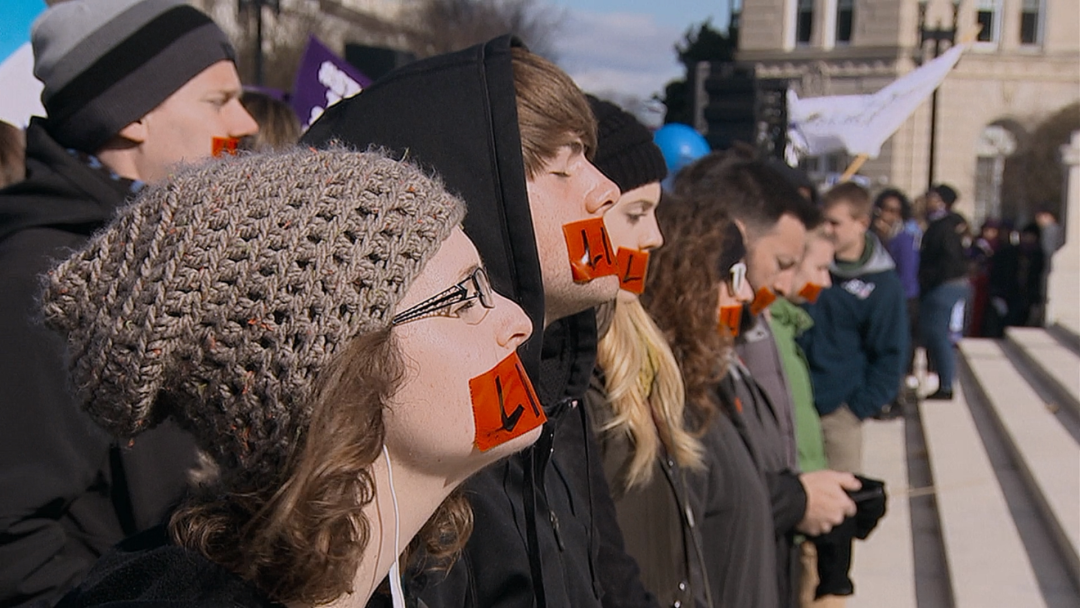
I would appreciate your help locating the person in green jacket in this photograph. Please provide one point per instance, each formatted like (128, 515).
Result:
(789, 320)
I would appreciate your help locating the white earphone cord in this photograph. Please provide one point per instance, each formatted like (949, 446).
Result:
(397, 594)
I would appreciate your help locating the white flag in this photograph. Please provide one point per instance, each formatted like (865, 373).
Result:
(860, 124)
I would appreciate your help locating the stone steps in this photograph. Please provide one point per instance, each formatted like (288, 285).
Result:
(987, 563)
(884, 565)
(1046, 454)
(984, 507)
(1056, 365)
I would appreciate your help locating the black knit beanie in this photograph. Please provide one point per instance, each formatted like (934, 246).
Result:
(625, 151)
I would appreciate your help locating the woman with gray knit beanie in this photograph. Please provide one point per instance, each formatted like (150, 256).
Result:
(323, 327)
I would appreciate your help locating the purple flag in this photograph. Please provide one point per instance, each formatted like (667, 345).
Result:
(323, 80)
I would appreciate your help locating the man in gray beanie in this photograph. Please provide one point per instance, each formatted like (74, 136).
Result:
(132, 89)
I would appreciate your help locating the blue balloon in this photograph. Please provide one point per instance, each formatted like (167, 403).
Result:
(680, 144)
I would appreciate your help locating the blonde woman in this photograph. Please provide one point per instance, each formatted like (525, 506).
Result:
(636, 396)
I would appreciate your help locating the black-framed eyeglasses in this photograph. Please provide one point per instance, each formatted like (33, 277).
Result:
(457, 301)
(736, 278)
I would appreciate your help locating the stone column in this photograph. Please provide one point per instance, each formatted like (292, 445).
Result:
(1063, 287)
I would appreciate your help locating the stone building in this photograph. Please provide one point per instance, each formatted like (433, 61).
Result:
(1024, 67)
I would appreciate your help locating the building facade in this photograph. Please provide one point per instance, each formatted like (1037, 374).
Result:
(1023, 67)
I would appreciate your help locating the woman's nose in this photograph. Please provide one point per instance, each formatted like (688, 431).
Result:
(514, 326)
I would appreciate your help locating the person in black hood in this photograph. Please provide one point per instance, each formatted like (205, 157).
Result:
(512, 134)
(131, 88)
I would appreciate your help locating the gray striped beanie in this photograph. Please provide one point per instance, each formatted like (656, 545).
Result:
(217, 296)
(107, 63)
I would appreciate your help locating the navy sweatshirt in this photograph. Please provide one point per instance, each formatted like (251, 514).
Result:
(856, 349)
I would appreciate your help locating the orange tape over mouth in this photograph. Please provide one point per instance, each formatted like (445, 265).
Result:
(762, 299)
(731, 318)
(504, 404)
(589, 247)
(632, 264)
(224, 145)
(810, 292)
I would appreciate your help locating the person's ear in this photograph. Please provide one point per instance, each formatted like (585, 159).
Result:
(865, 220)
(742, 228)
(136, 132)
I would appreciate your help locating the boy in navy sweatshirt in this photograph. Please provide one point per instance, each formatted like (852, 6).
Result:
(856, 349)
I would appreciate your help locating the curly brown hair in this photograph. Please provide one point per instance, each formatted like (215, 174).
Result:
(682, 296)
(301, 540)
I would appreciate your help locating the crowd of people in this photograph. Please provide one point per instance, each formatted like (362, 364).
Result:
(959, 283)
(463, 342)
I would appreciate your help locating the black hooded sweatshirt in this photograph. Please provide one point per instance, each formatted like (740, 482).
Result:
(67, 493)
(546, 513)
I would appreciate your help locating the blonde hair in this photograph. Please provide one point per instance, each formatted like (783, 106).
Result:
(646, 394)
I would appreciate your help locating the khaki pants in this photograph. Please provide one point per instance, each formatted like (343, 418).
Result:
(809, 580)
(843, 440)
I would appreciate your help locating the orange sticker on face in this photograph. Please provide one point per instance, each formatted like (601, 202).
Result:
(810, 292)
(504, 404)
(632, 263)
(590, 250)
(762, 299)
(224, 145)
(731, 318)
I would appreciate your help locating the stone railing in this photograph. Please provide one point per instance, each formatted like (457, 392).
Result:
(1063, 288)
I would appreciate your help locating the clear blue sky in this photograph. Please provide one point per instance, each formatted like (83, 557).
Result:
(15, 19)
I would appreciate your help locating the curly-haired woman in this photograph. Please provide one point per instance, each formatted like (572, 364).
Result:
(324, 328)
(750, 504)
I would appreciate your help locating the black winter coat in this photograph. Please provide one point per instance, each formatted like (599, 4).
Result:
(659, 526)
(67, 492)
(542, 535)
(148, 571)
(942, 256)
(750, 501)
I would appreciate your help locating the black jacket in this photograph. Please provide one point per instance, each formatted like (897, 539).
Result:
(147, 571)
(750, 501)
(659, 526)
(942, 256)
(67, 492)
(536, 513)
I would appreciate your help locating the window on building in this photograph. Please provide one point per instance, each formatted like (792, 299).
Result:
(992, 150)
(845, 20)
(1029, 22)
(804, 21)
(988, 15)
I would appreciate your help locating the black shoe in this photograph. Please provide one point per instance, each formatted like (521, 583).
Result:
(941, 395)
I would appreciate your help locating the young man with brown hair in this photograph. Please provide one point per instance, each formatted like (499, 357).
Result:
(857, 345)
(512, 134)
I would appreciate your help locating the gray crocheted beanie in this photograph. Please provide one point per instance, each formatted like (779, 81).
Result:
(218, 296)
